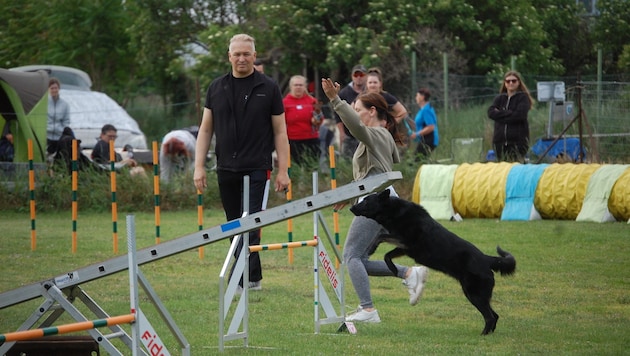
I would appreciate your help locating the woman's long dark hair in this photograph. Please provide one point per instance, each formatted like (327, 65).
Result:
(377, 101)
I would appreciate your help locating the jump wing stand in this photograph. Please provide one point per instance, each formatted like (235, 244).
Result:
(323, 265)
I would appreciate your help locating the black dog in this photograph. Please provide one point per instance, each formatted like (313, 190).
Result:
(416, 234)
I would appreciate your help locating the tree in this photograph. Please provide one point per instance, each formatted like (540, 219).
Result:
(493, 32)
(161, 31)
(568, 35)
(612, 32)
(89, 35)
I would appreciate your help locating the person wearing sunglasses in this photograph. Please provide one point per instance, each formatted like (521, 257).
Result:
(509, 112)
(349, 93)
(100, 153)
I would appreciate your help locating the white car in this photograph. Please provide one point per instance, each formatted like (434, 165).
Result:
(91, 110)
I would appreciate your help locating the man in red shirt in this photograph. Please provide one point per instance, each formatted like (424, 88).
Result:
(304, 116)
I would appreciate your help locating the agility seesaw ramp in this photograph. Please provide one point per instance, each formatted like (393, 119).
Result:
(67, 281)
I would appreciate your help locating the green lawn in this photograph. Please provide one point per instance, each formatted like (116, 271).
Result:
(570, 294)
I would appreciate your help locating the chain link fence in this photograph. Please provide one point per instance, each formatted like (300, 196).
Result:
(596, 111)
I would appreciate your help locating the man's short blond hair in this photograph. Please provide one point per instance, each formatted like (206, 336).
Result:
(242, 37)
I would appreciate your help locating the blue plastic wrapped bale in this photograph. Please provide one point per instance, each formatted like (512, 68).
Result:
(567, 147)
(520, 190)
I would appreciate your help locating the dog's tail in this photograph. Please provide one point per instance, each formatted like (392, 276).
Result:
(506, 264)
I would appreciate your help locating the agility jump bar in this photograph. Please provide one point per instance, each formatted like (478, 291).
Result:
(279, 246)
(66, 328)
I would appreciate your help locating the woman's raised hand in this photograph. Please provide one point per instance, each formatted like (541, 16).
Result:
(330, 89)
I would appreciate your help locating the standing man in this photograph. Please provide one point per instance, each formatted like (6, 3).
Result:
(58, 116)
(349, 94)
(245, 113)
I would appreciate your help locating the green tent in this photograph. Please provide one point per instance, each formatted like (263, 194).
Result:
(24, 107)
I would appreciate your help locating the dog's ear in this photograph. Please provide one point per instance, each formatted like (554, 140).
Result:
(384, 195)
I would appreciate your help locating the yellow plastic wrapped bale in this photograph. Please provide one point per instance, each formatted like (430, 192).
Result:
(619, 201)
(479, 189)
(561, 190)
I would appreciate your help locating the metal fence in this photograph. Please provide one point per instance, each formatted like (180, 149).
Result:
(603, 107)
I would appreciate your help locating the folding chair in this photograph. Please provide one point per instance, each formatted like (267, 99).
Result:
(465, 150)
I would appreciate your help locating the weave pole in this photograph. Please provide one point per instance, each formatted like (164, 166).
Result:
(112, 175)
(31, 192)
(75, 186)
(200, 218)
(333, 185)
(66, 328)
(156, 190)
(290, 221)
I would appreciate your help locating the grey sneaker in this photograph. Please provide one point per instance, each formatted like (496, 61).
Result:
(415, 283)
(365, 316)
(252, 286)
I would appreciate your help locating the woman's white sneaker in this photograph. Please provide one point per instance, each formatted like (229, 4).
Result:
(365, 316)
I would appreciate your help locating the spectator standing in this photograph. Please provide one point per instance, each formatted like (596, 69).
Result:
(372, 124)
(244, 110)
(349, 94)
(374, 84)
(304, 117)
(58, 115)
(177, 153)
(426, 134)
(509, 111)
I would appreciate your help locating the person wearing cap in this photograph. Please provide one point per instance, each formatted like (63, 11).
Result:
(349, 93)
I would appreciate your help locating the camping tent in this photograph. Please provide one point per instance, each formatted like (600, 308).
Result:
(24, 107)
(90, 110)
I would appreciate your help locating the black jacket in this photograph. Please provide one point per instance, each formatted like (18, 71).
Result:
(510, 118)
(245, 143)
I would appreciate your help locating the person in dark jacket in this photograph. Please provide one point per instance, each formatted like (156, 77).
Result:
(101, 156)
(509, 113)
(245, 113)
(7, 151)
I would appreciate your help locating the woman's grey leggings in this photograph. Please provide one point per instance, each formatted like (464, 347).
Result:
(362, 235)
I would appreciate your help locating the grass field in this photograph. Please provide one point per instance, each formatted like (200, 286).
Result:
(570, 294)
